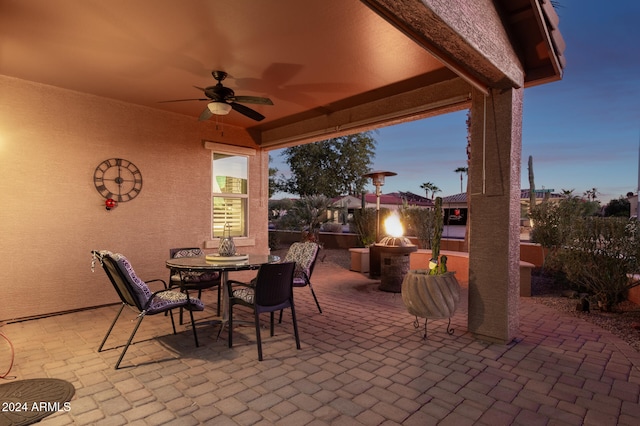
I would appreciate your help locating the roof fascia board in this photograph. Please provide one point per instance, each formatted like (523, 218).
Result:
(449, 96)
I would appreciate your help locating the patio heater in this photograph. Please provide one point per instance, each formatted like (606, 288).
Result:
(377, 177)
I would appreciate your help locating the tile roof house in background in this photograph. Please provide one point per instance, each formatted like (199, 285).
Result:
(460, 200)
(391, 201)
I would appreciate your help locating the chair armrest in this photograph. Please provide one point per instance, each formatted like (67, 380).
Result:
(164, 283)
(153, 296)
(155, 293)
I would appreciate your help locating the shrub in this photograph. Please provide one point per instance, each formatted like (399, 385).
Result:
(364, 222)
(553, 222)
(600, 256)
(420, 223)
(332, 227)
(310, 213)
(274, 241)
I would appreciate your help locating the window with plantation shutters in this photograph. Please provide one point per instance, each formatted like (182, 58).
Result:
(229, 194)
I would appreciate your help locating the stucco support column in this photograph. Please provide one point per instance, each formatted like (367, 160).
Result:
(494, 240)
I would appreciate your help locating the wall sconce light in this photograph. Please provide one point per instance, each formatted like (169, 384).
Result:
(219, 108)
(110, 203)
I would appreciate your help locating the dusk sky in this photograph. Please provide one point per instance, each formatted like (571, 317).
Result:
(582, 131)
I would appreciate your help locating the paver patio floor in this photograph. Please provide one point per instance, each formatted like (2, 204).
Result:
(362, 362)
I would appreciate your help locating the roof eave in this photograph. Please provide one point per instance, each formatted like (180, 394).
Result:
(547, 20)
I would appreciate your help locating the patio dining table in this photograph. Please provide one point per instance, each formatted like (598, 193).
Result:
(184, 265)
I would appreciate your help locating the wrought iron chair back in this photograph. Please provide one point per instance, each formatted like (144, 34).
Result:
(305, 256)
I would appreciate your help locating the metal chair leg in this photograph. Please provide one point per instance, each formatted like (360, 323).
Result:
(111, 328)
(173, 323)
(193, 326)
(140, 318)
(313, 293)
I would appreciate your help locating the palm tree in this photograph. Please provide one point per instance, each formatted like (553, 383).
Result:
(429, 186)
(591, 194)
(461, 170)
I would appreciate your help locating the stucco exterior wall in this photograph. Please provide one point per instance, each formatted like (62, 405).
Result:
(51, 141)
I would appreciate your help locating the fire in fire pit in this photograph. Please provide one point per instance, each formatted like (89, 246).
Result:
(395, 250)
(395, 231)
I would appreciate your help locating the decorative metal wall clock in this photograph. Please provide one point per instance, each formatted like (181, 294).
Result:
(118, 179)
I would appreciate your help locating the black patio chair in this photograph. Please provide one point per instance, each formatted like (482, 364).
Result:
(273, 291)
(136, 294)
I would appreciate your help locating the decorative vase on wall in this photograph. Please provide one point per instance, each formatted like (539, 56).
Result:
(227, 247)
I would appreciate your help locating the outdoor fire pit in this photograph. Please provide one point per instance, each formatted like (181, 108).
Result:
(394, 256)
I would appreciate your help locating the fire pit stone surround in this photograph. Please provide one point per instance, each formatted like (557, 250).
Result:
(394, 251)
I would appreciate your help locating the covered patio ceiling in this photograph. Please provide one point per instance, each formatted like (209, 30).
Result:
(329, 66)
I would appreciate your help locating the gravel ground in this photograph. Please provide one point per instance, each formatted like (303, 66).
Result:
(625, 323)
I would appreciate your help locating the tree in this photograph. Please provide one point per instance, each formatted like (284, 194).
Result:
(461, 170)
(620, 208)
(429, 186)
(273, 183)
(331, 167)
(279, 208)
(591, 194)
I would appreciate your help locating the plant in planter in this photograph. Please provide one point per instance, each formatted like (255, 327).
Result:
(432, 293)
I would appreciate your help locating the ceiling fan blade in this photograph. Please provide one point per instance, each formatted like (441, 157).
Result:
(183, 100)
(205, 115)
(255, 115)
(253, 100)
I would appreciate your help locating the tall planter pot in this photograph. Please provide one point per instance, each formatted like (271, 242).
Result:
(431, 296)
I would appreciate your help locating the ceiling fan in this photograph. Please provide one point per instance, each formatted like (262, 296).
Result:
(222, 100)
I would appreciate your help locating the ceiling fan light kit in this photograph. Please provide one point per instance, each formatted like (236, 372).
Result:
(223, 99)
(219, 108)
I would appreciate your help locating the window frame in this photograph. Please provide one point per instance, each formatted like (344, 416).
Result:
(248, 153)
